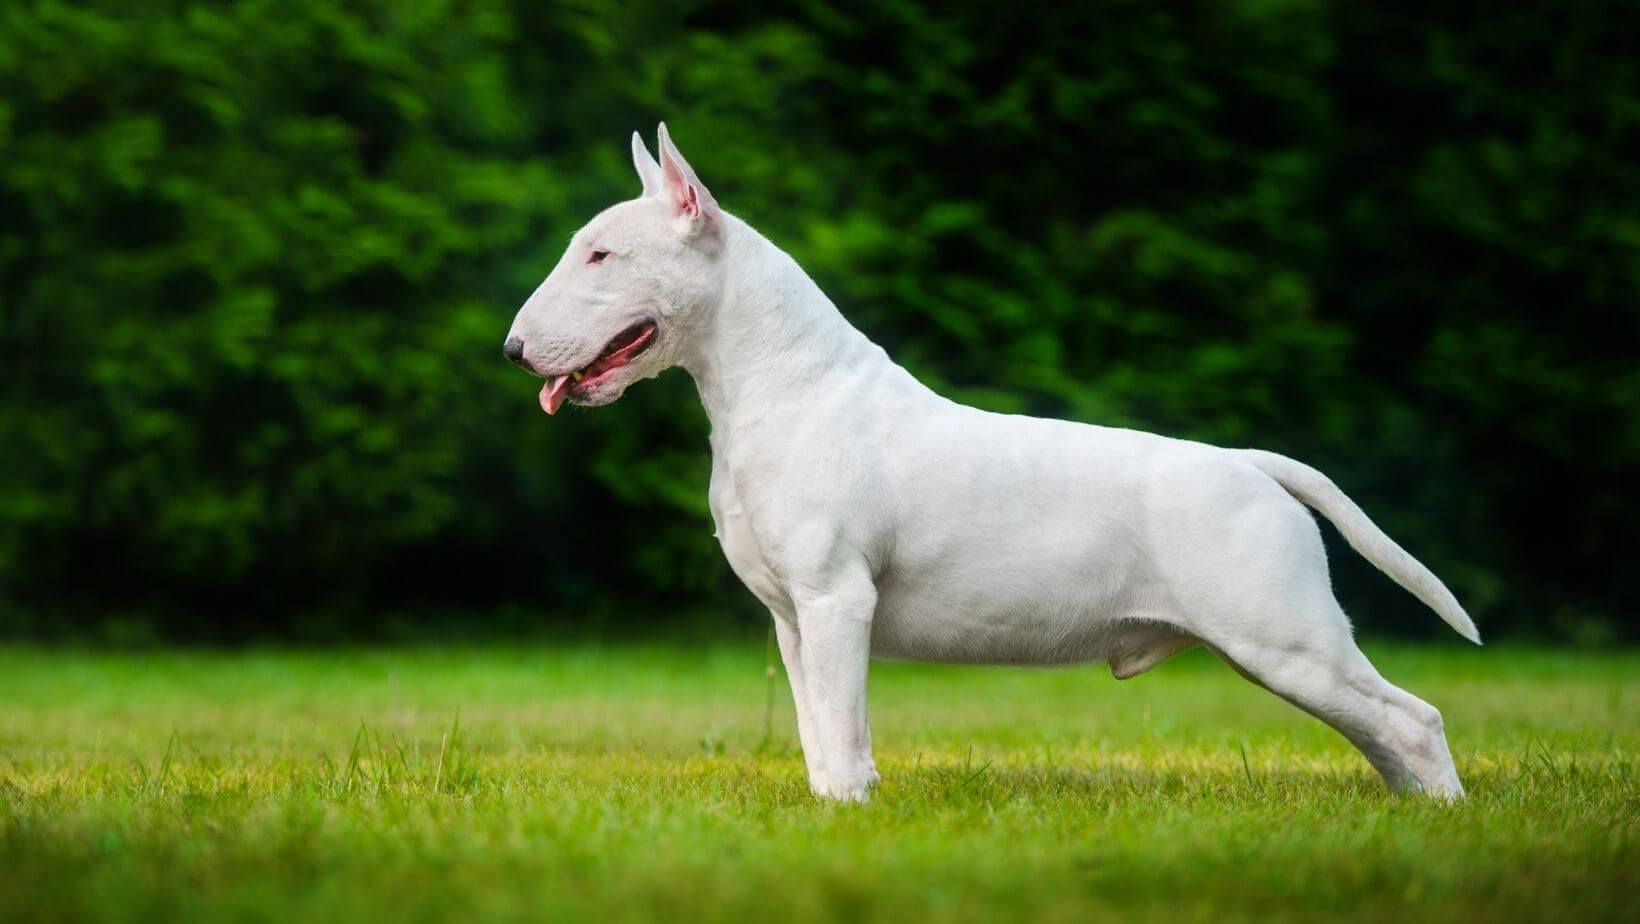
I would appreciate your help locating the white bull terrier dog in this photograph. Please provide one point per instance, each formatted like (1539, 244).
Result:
(873, 516)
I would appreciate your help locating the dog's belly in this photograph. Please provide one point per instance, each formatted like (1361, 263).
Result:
(1001, 564)
(1017, 618)
(908, 631)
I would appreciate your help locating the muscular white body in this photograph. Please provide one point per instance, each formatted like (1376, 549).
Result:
(873, 516)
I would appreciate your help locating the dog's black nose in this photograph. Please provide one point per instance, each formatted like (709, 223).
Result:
(513, 349)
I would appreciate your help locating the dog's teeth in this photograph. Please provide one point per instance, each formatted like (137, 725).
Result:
(576, 376)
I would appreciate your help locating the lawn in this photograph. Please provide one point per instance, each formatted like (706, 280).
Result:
(643, 783)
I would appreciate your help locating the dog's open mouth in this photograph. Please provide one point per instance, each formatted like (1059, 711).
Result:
(622, 350)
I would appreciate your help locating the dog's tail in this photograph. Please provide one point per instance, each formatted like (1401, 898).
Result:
(1317, 491)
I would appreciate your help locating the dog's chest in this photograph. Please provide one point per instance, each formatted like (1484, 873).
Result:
(740, 547)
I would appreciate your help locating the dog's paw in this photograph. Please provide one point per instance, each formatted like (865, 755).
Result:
(855, 788)
(858, 792)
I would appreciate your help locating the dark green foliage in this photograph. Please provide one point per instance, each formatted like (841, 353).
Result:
(256, 261)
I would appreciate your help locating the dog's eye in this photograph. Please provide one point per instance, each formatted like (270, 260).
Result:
(598, 256)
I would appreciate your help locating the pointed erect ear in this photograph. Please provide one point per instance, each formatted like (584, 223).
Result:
(693, 207)
(648, 171)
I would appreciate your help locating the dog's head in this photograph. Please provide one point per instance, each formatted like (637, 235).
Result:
(623, 299)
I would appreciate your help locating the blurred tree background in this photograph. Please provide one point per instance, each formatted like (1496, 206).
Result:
(257, 260)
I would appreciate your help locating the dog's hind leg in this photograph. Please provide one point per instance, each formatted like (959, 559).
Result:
(1318, 668)
(1252, 584)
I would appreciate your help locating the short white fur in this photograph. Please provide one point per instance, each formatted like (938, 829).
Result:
(875, 517)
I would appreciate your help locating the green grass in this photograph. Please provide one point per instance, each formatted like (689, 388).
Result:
(639, 784)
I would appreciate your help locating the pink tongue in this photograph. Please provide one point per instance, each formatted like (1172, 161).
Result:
(554, 392)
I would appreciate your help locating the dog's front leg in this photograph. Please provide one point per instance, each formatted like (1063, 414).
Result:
(791, 654)
(834, 632)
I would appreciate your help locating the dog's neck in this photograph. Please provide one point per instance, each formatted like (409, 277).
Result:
(773, 337)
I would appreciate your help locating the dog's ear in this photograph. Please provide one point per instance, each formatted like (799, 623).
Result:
(648, 170)
(693, 207)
